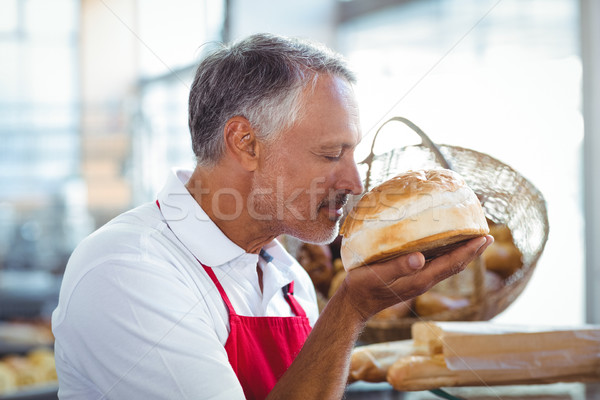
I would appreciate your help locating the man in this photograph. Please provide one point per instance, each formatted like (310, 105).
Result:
(169, 300)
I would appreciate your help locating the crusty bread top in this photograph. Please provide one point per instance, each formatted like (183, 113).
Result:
(429, 211)
(400, 190)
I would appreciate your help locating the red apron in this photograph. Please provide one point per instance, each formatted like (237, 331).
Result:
(260, 349)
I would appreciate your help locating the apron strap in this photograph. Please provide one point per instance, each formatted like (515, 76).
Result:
(212, 276)
(288, 293)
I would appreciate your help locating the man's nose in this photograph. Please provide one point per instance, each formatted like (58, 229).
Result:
(349, 178)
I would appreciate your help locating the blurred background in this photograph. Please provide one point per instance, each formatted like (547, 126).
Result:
(93, 103)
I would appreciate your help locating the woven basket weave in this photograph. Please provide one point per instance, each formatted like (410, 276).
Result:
(507, 198)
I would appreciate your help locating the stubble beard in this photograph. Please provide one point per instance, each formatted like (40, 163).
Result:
(283, 218)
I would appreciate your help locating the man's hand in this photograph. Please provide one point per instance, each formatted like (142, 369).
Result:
(374, 287)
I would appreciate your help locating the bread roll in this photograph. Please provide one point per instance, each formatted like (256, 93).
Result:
(25, 372)
(370, 363)
(503, 258)
(337, 280)
(500, 232)
(43, 361)
(8, 378)
(430, 211)
(397, 311)
(432, 303)
(316, 260)
(457, 291)
(417, 372)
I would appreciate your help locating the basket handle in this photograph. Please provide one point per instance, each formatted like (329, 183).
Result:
(426, 141)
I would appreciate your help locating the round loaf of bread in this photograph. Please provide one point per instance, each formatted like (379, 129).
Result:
(431, 211)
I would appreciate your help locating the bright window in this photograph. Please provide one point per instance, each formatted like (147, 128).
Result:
(39, 138)
(172, 39)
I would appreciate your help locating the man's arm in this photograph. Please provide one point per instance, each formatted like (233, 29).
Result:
(321, 369)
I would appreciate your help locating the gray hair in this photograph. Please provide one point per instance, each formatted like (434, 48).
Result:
(261, 78)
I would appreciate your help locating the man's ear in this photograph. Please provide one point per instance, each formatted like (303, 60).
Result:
(241, 142)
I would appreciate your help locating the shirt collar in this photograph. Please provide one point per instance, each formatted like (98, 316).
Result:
(277, 269)
(192, 226)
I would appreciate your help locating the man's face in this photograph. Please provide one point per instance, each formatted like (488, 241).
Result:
(309, 171)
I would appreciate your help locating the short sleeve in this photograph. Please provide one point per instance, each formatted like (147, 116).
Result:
(137, 330)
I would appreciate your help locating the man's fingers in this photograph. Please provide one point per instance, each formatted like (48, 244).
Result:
(489, 239)
(455, 261)
(415, 261)
(406, 264)
(443, 266)
(389, 271)
(481, 244)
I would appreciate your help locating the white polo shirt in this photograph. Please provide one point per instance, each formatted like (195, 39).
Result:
(139, 318)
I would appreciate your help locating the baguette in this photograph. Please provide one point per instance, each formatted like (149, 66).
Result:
(422, 372)
(477, 353)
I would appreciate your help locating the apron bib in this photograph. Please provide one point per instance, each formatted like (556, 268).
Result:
(260, 349)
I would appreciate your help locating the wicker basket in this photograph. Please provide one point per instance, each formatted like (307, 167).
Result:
(507, 198)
